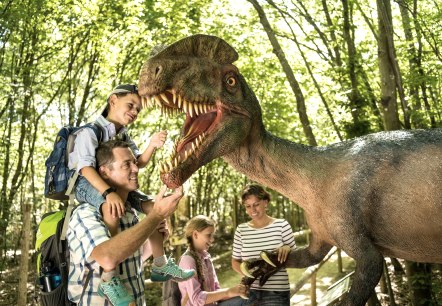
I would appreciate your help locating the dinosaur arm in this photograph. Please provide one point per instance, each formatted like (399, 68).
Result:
(308, 256)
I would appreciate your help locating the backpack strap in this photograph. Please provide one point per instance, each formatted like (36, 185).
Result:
(71, 206)
(98, 130)
(88, 278)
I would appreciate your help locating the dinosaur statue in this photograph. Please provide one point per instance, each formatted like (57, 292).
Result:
(373, 196)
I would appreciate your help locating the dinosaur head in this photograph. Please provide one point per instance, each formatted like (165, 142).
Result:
(196, 76)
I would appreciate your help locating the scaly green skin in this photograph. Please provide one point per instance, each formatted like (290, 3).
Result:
(375, 195)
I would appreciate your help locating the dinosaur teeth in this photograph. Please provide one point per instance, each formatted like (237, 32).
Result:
(190, 108)
(185, 105)
(157, 100)
(164, 97)
(176, 159)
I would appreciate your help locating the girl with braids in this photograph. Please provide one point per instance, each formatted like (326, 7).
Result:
(204, 288)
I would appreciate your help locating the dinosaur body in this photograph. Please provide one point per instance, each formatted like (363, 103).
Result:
(376, 195)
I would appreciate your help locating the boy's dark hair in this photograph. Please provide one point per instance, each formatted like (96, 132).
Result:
(104, 154)
(255, 190)
(120, 91)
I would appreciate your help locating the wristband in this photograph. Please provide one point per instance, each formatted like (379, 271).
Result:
(107, 191)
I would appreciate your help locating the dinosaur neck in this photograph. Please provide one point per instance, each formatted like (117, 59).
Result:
(286, 167)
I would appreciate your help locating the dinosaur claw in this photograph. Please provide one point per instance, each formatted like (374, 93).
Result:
(264, 255)
(245, 270)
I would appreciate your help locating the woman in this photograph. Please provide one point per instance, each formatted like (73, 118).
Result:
(263, 233)
(204, 289)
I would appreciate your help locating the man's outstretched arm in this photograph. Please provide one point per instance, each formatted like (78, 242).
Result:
(113, 251)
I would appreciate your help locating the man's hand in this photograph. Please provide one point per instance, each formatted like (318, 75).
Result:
(116, 205)
(165, 205)
(157, 140)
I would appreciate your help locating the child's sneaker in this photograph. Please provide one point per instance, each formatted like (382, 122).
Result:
(170, 270)
(115, 292)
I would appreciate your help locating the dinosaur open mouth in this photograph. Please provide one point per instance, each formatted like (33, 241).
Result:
(201, 118)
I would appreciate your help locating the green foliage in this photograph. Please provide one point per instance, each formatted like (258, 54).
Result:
(59, 59)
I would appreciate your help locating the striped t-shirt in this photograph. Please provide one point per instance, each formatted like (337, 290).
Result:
(249, 242)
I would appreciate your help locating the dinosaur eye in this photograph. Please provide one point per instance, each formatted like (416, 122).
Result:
(231, 81)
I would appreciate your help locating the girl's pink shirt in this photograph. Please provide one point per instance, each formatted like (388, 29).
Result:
(192, 286)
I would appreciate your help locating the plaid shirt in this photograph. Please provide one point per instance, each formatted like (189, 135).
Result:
(86, 231)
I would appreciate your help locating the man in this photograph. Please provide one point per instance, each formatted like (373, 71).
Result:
(90, 244)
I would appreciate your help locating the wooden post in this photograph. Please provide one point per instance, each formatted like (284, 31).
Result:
(24, 258)
(340, 271)
(313, 289)
(310, 270)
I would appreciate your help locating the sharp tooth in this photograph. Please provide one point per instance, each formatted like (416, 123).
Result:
(190, 108)
(164, 97)
(197, 111)
(186, 154)
(179, 101)
(157, 100)
(174, 97)
(193, 147)
(200, 138)
(204, 134)
(197, 142)
(201, 108)
(185, 105)
(149, 102)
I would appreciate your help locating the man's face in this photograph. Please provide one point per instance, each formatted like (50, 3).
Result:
(123, 172)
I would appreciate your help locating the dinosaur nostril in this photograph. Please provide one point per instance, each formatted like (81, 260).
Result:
(158, 70)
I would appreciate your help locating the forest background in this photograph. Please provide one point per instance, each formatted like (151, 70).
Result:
(324, 71)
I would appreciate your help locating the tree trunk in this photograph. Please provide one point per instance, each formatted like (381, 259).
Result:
(386, 70)
(360, 125)
(419, 282)
(308, 66)
(24, 258)
(300, 102)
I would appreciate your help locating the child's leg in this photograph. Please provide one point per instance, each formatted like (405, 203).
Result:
(111, 222)
(86, 193)
(164, 269)
(156, 240)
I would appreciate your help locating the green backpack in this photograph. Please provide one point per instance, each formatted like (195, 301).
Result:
(53, 259)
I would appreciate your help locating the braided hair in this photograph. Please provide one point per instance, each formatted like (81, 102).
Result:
(197, 223)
